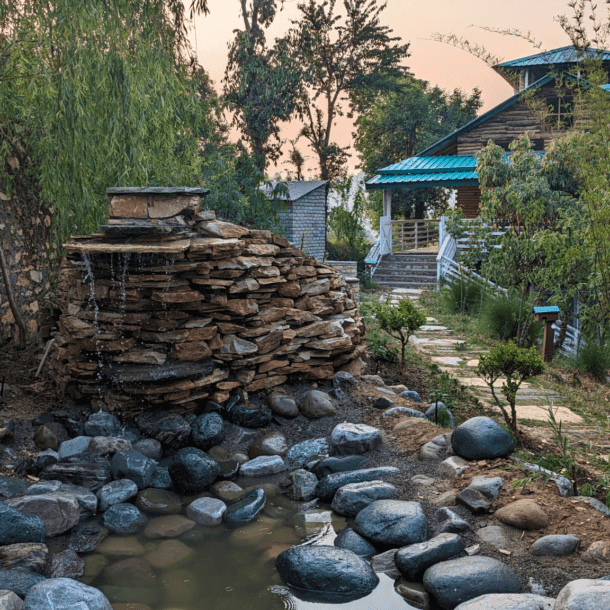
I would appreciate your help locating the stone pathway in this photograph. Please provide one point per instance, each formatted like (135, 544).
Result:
(443, 346)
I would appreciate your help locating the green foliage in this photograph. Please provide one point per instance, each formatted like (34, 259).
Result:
(399, 122)
(515, 363)
(594, 359)
(463, 295)
(343, 55)
(381, 350)
(400, 320)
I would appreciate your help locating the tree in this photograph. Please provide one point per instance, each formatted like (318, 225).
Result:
(403, 120)
(261, 83)
(517, 364)
(342, 57)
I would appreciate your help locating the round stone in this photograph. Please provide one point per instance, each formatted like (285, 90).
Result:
(392, 522)
(318, 404)
(282, 405)
(272, 443)
(168, 526)
(193, 471)
(65, 594)
(350, 439)
(206, 511)
(116, 492)
(207, 430)
(228, 491)
(354, 542)
(523, 515)
(150, 447)
(124, 519)
(555, 546)
(481, 438)
(159, 502)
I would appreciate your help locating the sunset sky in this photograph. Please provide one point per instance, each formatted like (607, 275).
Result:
(414, 22)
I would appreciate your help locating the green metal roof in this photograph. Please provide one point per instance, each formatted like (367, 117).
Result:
(427, 165)
(555, 57)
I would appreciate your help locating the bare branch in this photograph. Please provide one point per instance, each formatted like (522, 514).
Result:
(474, 49)
(528, 36)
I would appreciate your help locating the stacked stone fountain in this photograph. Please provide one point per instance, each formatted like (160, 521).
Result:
(167, 305)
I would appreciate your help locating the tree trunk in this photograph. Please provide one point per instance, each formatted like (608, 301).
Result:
(11, 301)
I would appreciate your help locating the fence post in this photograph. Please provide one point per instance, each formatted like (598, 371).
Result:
(416, 226)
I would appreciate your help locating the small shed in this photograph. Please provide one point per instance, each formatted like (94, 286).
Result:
(304, 220)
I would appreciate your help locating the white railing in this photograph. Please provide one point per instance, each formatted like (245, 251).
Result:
(382, 246)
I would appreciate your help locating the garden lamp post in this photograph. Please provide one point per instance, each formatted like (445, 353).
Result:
(548, 315)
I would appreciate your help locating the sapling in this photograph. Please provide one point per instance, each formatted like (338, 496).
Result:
(515, 363)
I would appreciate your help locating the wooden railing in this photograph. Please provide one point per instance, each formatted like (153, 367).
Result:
(413, 234)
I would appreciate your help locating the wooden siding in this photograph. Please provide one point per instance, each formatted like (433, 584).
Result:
(468, 198)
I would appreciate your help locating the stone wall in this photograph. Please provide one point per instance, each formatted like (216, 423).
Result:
(304, 222)
(169, 306)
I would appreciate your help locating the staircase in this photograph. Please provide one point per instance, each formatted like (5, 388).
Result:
(406, 270)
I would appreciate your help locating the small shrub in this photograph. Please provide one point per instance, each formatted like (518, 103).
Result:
(464, 295)
(594, 359)
(381, 350)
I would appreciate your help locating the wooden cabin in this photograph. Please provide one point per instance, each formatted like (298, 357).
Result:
(451, 161)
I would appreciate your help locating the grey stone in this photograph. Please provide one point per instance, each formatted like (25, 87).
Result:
(108, 445)
(158, 501)
(459, 580)
(584, 595)
(412, 395)
(317, 404)
(450, 522)
(282, 405)
(414, 595)
(75, 446)
(116, 492)
(263, 466)
(481, 438)
(17, 527)
(84, 538)
(494, 535)
(65, 564)
(453, 467)
(45, 438)
(85, 470)
(422, 479)
(328, 485)
(43, 487)
(403, 411)
(563, 484)
(65, 594)
(308, 450)
(19, 581)
(9, 487)
(135, 466)
(102, 424)
(272, 443)
(440, 414)
(25, 555)
(150, 447)
(302, 485)
(352, 498)
(384, 564)
(206, 511)
(161, 478)
(331, 465)
(343, 380)
(169, 429)
(208, 430)
(474, 501)
(430, 452)
(193, 470)
(392, 522)
(124, 519)
(236, 435)
(509, 601)
(10, 601)
(326, 569)
(488, 486)
(59, 512)
(415, 559)
(350, 439)
(596, 504)
(383, 403)
(248, 417)
(354, 542)
(373, 379)
(555, 545)
(245, 510)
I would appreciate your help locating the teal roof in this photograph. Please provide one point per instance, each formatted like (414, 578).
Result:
(555, 57)
(427, 172)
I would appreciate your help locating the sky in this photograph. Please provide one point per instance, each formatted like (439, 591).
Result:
(414, 22)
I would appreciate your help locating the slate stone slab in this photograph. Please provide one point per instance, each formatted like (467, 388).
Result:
(459, 580)
(326, 569)
(245, 510)
(392, 522)
(93, 473)
(450, 522)
(65, 594)
(328, 485)
(413, 560)
(481, 438)
(474, 501)
(146, 373)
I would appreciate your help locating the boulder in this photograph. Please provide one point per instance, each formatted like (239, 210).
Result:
(328, 485)
(413, 560)
(65, 594)
(312, 449)
(263, 466)
(302, 485)
(193, 471)
(134, 466)
(116, 492)
(170, 429)
(555, 546)
(102, 424)
(17, 527)
(207, 430)
(352, 498)
(524, 515)
(317, 404)
(584, 595)
(124, 519)
(354, 542)
(59, 512)
(282, 405)
(459, 580)
(392, 522)
(481, 438)
(350, 439)
(245, 510)
(332, 465)
(326, 569)
(509, 601)
(158, 501)
(272, 443)
(19, 581)
(206, 511)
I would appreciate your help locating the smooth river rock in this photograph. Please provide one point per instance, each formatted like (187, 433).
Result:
(116, 492)
(351, 499)
(509, 601)
(65, 594)
(134, 466)
(317, 404)
(523, 515)
(193, 470)
(208, 430)
(282, 405)
(413, 560)
(206, 511)
(555, 546)
(159, 501)
(392, 522)
(17, 527)
(354, 542)
(459, 580)
(272, 443)
(245, 510)
(354, 439)
(584, 595)
(263, 466)
(124, 519)
(481, 438)
(59, 512)
(328, 485)
(326, 569)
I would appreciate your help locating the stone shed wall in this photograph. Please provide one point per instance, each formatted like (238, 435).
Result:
(304, 222)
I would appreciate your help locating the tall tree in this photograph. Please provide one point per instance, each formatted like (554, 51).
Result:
(260, 83)
(343, 56)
